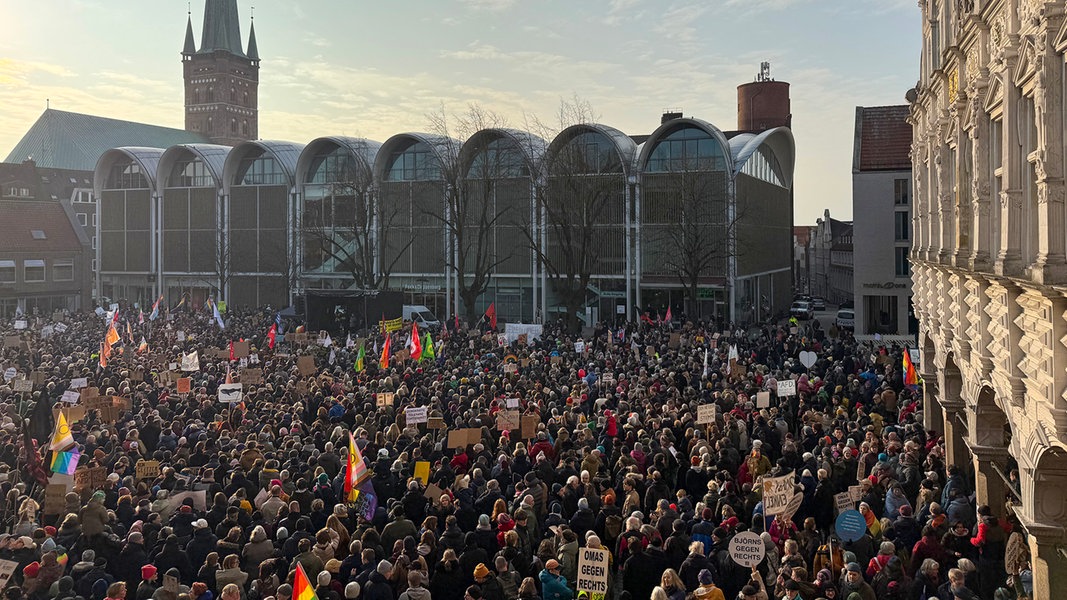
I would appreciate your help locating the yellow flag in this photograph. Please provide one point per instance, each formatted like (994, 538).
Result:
(61, 439)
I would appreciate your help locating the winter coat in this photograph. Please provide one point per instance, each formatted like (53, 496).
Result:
(377, 588)
(448, 582)
(554, 587)
(94, 518)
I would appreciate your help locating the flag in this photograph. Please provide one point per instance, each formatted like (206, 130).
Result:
(115, 315)
(383, 361)
(326, 341)
(456, 319)
(646, 318)
(143, 347)
(180, 304)
(366, 502)
(361, 356)
(32, 458)
(61, 439)
(155, 309)
(140, 317)
(65, 462)
(232, 355)
(129, 332)
(667, 317)
(705, 363)
(911, 377)
(272, 334)
(427, 348)
(112, 336)
(333, 356)
(105, 352)
(415, 346)
(215, 313)
(490, 313)
(349, 342)
(302, 588)
(356, 471)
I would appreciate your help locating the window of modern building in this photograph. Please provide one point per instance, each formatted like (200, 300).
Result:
(33, 270)
(763, 165)
(902, 225)
(94, 219)
(190, 173)
(500, 158)
(881, 314)
(903, 265)
(126, 175)
(7, 271)
(687, 149)
(901, 187)
(333, 166)
(63, 270)
(261, 170)
(38, 234)
(83, 219)
(414, 163)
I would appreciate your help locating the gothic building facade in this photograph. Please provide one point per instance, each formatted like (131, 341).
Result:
(989, 256)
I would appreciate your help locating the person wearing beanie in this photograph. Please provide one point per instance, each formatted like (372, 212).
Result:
(378, 586)
(853, 582)
(323, 591)
(130, 559)
(707, 590)
(352, 591)
(484, 579)
(553, 584)
(147, 587)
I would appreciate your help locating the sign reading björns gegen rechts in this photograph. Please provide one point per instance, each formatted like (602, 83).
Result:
(593, 572)
(747, 549)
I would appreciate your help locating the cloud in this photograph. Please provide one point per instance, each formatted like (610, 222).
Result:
(488, 5)
(16, 72)
(622, 10)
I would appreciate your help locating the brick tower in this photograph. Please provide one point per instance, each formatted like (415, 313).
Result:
(221, 79)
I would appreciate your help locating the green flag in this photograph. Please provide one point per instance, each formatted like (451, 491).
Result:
(427, 348)
(360, 356)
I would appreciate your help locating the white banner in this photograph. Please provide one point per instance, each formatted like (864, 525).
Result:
(230, 393)
(191, 361)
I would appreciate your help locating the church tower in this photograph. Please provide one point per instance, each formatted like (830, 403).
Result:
(221, 79)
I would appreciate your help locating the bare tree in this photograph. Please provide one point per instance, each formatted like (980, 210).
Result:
(572, 202)
(346, 230)
(471, 214)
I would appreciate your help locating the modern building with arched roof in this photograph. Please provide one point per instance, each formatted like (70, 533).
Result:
(593, 221)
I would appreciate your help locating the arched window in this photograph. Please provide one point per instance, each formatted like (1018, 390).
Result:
(196, 95)
(210, 125)
(210, 94)
(244, 127)
(687, 149)
(414, 163)
(233, 126)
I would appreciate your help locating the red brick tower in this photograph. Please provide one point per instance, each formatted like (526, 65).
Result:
(221, 78)
(764, 103)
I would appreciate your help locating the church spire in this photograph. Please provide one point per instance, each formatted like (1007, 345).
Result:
(253, 48)
(190, 41)
(222, 29)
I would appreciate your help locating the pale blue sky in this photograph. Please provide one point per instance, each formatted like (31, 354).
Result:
(375, 69)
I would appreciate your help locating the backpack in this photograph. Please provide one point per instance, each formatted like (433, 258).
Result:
(612, 528)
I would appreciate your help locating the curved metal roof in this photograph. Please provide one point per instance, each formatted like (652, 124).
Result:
(533, 148)
(781, 142)
(146, 158)
(362, 149)
(446, 150)
(675, 124)
(624, 144)
(284, 153)
(212, 155)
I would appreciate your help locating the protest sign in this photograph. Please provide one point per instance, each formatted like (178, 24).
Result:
(415, 415)
(705, 414)
(529, 426)
(231, 393)
(12, 341)
(593, 572)
(808, 358)
(856, 492)
(252, 376)
(787, 387)
(508, 420)
(55, 498)
(78, 383)
(777, 492)
(147, 469)
(191, 362)
(7, 569)
(763, 399)
(384, 399)
(511, 402)
(240, 349)
(433, 493)
(747, 549)
(850, 525)
(184, 385)
(435, 423)
(843, 502)
(422, 471)
(306, 365)
(22, 385)
(20, 324)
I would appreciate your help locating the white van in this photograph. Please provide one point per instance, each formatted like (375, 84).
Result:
(846, 319)
(422, 316)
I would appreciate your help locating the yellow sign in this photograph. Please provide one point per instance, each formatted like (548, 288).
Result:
(422, 471)
(391, 325)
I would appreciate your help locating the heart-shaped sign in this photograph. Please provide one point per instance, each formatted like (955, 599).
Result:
(808, 358)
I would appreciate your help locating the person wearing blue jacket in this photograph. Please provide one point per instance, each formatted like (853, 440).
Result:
(553, 584)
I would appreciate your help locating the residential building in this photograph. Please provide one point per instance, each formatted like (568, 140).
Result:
(881, 194)
(989, 258)
(831, 260)
(802, 238)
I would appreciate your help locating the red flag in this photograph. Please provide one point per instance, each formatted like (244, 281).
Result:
(415, 346)
(667, 317)
(646, 318)
(232, 357)
(491, 313)
(273, 333)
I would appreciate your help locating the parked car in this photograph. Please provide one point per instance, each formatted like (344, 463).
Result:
(801, 310)
(818, 304)
(846, 319)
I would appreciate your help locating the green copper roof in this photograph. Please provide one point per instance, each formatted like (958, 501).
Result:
(253, 48)
(222, 30)
(190, 41)
(68, 140)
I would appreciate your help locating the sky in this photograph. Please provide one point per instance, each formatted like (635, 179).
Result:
(376, 69)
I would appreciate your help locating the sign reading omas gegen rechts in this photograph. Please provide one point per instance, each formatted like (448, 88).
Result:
(593, 572)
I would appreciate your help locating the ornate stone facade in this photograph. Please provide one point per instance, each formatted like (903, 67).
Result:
(988, 259)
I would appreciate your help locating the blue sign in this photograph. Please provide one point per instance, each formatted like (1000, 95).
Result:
(850, 525)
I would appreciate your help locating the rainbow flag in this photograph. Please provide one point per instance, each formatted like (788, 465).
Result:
(302, 588)
(911, 377)
(356, 470)
(65, 462)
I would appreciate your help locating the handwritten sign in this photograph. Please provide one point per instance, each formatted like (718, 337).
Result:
(22, 385)
(147, 469)
(55, 498)
(508, 420)
(706, 414)
(252, 376)
(435, 423)
(787, 387)
(843, 502)
(240, 349)
(78, 383)
(384, 398)
(593, 572)
(529, 426)
(511, 402)
(422, 471)
(7, 569)
(415, 415)
(777, 492)
(184, 385)
(231, 393)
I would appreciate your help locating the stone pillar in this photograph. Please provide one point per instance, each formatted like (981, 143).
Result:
(1050, 265)
(1049, 565)
(933, 416)
(989, 486)
(1009, 258)
(955, 447)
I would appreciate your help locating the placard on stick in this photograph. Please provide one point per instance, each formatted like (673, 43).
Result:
(240, 349)
(384, 398)
(147, 469)
(54, 498)
(763, 399)
(529, 426)
(184, 385)
(306, 365)
(706, 414)
(508, 420)
(593, 572)
(435, 423)
(252, 376)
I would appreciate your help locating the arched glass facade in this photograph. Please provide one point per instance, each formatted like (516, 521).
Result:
(412, 209)
(337, 221)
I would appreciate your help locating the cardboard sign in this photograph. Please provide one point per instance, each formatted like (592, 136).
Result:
(252, 376)
(170, 584)
(20, 324)
(461, 438)
(7, 569)
(808, 358)
(39, 377)
(675, 341)
(593, 572)
(435, 423)
(511, 402)
(12, 341)
(147, 469)
(231, 393)
(787, 387)
(793, 506)
(55, 498)
(763, 399)
(184, 385)
(855, 492)
(777, 492)
(510, 368)
(433, 493)
(843, 502)
(747, 549)
(60, 328)
(555, 359)
(384, 398)
(137, 374)
(529, 426)
(191, 362)
(22, 385)
(422, 471)
(72, 413)
(508, 420)
(706, 414)
(78, 383)
(96, 401)
(241, 349)
(306, 365)
(415, 415)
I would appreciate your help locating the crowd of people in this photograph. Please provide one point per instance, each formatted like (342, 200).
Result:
(617, 461)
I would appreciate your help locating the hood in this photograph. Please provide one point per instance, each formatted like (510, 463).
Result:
(418, 593)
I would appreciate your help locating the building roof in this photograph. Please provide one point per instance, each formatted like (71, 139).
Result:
(222, 28)
(803, 234)
(22, 217)
(69, 140)
(883, 139)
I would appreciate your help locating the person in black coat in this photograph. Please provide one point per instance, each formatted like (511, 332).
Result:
(202, 544)
(131, 558)
(172, 557)
(583, 519)
(472, 555)
(378, 587)
(694, 564)
(448, 579)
